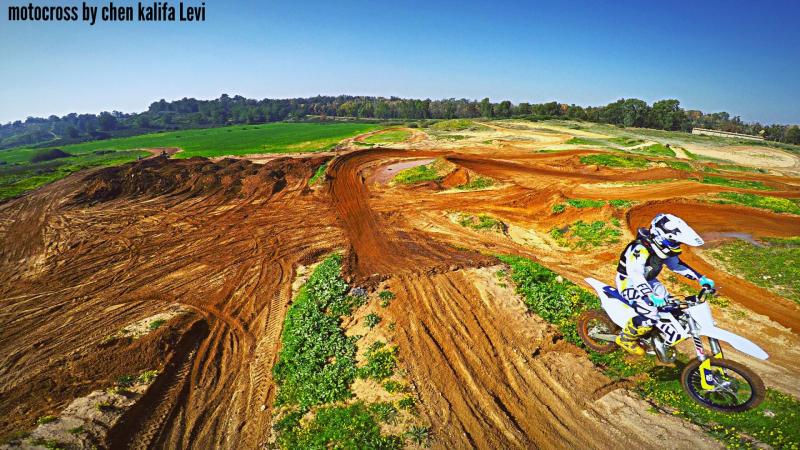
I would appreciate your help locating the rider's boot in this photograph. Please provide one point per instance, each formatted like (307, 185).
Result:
(629, 338)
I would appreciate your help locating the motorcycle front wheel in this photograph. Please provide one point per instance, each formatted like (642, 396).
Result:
(735, 387)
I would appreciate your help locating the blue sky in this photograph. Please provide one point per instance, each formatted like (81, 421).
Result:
(741, 57)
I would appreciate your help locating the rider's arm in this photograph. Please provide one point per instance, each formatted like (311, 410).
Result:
(635, 262)
(681, 268)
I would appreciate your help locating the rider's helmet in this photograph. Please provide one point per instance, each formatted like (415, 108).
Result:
(668, 232)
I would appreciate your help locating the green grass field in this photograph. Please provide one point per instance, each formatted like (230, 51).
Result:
(19, 174)
(392, 136)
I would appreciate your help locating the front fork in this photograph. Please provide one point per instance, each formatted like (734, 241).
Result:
(707, 378)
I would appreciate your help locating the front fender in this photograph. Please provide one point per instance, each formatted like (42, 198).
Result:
(702, 315)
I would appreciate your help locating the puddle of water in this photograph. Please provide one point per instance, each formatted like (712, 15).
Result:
(384, 174)
(712, 236)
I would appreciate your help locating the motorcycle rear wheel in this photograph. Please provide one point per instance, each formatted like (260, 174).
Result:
(746, 390)
(594, 321)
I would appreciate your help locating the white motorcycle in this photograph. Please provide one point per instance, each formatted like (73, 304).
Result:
(711, 381)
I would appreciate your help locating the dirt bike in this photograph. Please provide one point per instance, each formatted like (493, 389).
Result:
(714, 382)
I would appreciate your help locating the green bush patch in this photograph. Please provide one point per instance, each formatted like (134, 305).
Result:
(585, 203)
(609, 160)
(680, 165)
(476, 183)
(434, 171)
(776, 204)
(319, 174)
(346, 427)
(316, 363)
(381, 361)
(582, 234)
(657, 150)
(742, 184)
(625, 141)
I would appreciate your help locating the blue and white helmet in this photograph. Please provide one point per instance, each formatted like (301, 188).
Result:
(668, 232)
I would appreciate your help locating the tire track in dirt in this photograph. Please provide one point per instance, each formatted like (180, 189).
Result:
(221, 237)
(482, 381)
(379, 250)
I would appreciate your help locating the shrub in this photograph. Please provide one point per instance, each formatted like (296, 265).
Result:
(407, 403)
(49, 155)
(558, 208)
(381, 362)
(384, 412)
(371, 320)
(155, 324)
(46, 419)
(620, 204)
(419, 435)
(476, 183)
(392, 386)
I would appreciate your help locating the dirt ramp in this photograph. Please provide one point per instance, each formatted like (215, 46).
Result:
(379, 249)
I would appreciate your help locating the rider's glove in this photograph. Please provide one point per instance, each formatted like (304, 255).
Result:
(706, 282)
(657, 301)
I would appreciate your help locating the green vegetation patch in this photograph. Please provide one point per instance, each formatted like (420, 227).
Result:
(476, 183)
(457, 125)
(345, 427)
(609, 160)
(154, 325)
(581, 203)
(319, 174)
(737, 168)
(391, 136)
(316, 363)
(776, 204)
(21, 176)
(775, 267)
(657, 150)
(481, 222)
(583, 234)
(547, 294)
(680, 165)
(742, 184)
(380, 362)
(626, 141)
(433, 171)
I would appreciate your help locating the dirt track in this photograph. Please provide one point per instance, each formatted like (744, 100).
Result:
(85, 256)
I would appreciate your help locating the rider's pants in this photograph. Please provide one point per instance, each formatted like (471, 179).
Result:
(647, 312)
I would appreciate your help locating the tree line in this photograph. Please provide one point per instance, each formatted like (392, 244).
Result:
(226, 110)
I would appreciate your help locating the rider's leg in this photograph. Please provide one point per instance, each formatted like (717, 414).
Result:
(638, 325)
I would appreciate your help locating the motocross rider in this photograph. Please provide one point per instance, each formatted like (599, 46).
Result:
(639, 266)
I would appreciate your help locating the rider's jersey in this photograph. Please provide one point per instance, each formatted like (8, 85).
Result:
(638, 265)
